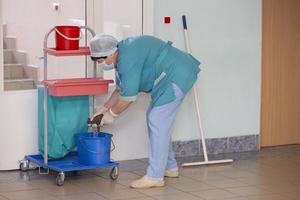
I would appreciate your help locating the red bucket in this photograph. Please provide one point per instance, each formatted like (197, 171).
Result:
(67, 37)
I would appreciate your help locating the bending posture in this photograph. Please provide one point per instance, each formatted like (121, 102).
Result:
(147, 64)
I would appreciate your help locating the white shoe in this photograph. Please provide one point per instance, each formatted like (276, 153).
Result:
(171, 173)
(147, 182)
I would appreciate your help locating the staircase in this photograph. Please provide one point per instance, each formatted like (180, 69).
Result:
(18, 75)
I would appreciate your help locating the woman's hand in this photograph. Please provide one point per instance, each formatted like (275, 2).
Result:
(100, 111)
(107, 118)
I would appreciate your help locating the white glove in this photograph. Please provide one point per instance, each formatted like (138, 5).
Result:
(108, 117)
(100, 111)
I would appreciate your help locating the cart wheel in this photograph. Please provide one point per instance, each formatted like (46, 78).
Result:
(114, 173)
(24, 165)
(60, 179)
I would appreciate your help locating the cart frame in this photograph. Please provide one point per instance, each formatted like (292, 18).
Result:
(69, 162)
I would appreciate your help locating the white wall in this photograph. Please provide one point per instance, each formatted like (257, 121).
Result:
(128, 21)
(226, 37)
(18, 122)
(1, 49)
(30, 20)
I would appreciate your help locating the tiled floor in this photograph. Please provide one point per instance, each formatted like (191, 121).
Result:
(272, 174)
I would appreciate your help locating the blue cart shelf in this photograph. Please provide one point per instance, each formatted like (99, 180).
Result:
(70, 162)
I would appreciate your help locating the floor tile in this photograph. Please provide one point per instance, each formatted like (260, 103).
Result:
(178, 196)
(15, 186)
(121, 194)
(214, 194)
(143, 198)
(225, 183)
(6, 177)
(280, 187)
(125, 183)
(124, 179)
(236, 173)
(256, 180)
(192, 186)
(66, 189)
(296, 183)
(2, 197)
(220, 167)
(128, 176)
(271, 174)
(180, 179)
(140, 172)
(86, 196)
(28, 194)
(15, 176)
(247, 191)
(99, 185)
(250, 166)
(282, 175)
(295, 194)
(203, 175)
(264, 170)
(277, 162)
(268, 197)
(158, 191)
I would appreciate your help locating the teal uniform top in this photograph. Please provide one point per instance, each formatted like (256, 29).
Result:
(148, 64)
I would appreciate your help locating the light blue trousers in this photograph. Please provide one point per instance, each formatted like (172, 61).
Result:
(160, 120)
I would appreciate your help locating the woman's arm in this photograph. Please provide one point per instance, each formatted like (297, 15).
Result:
(113, 99)
(117, 106)
(120, 106)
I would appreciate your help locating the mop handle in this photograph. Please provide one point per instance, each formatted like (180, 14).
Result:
(186, 36)
(184, 22)
(196, 98)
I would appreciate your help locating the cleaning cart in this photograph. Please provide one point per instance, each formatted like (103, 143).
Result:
(68, 88)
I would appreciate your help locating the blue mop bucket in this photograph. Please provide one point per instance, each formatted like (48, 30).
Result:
(93, 148)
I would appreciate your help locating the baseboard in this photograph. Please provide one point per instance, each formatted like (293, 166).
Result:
(217, 145)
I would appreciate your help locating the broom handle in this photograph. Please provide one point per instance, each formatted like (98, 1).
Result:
(196, 98)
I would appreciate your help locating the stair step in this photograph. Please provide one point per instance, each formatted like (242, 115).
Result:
(31, 72)
(4, 27)
(19, 84)
(14, 57)
(8, 57)
(14, 71)
(10, 43)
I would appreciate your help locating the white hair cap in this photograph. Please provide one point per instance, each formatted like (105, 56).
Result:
(103, 45)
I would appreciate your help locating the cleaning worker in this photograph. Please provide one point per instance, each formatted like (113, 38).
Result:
(147, 64)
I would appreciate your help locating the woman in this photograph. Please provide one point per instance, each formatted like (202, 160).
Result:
(147, 64)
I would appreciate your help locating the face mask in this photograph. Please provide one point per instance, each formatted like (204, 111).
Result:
(107, 67)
